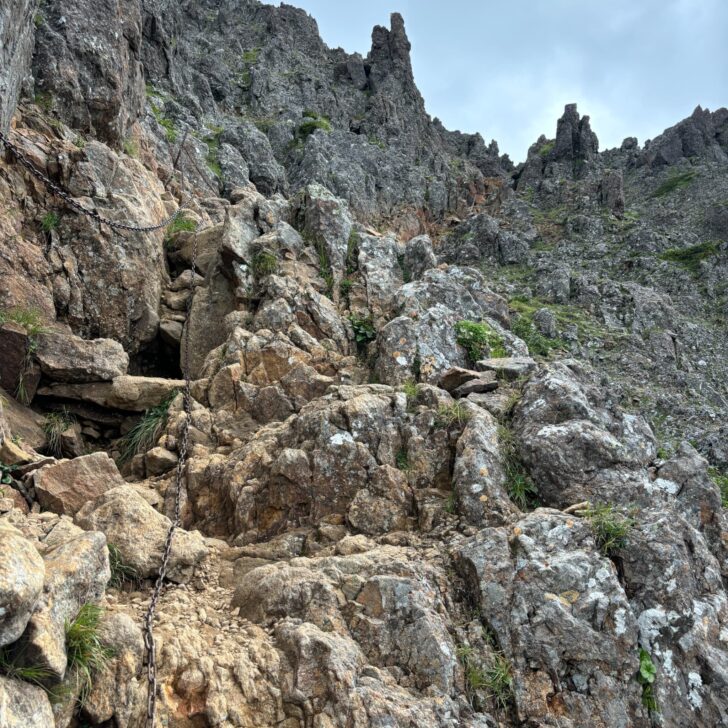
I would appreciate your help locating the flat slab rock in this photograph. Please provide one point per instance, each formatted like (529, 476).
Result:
(455, 377)
(67, 358)
(508, 367)
(68, 485)
(477, 386)
(134, 394)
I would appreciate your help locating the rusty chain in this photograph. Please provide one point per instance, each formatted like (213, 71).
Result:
(57, 190)
(186, 407)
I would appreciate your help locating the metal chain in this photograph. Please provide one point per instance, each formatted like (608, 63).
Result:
(179, 474)
(71, 202)
(186, 406)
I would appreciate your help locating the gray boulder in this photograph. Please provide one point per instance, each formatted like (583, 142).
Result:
(23, 705)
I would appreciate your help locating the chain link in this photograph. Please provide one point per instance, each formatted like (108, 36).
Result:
(71, 202)
(186, 406)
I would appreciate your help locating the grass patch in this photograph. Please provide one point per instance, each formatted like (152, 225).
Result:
(10, 667)
(130, 147)
(610, 527)
(121, 572)
(364, 332)
(537, 343)
(675, 182)
(264, 263)
(213, 152)
(311, 122)
(401, 460)
(479, 340)
(345, 288)
(50, 221)
(181, 224)
(451, 414)
(721, 480)
(691, 258)
(54, 425)
(28, 318)
(146, 432)
(521, 489)
(167, 124)
(546, 149)
(496, 679)
(451, 504)
(86, 654)
(352, 251)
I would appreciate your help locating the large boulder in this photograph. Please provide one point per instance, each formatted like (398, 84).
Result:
(76, 573)
(561, 618)
(23, 705)
(21, 581)
(67, 486)
(68, 358)
(139, 532)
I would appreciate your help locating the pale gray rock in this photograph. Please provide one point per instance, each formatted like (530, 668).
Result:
(23, 705)
(21, 581)
(67, 358)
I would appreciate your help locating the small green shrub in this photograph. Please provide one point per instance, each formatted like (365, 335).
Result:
(345, 288)
(181, 224)
(451, 504)
(364, 332)
(402, 460)
(130, 147)
(213, 152)
(410, 389)
(50, 221)
(167, 124)
(646, 678)
(675, 182)
(264, 263)
(121, 572)
(479, 340)
(610, 527)
(146, 432)
(499, 681)
(538, 344)
(6, 471)
(54, 425)
(451, 414)
(546, 148)
(691, 257)
(311, 122)
(721, 480)
(86, 654)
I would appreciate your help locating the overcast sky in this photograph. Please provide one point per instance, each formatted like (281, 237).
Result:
(506, 68)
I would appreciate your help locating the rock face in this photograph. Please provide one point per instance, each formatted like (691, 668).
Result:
(21, 582)
(16, 41)
(455, 453)
(139, 532)
(66, 487)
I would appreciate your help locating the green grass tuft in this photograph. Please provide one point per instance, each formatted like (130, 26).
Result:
(675, 182)
(86, 654)
(50, 221)
(146, 432)
(520, 487)
(721, 480)
(130, 147)
(264, 264)
(538, 344)
(402, 460)
(352, 251)
(54, 425)
(312, 121)
(691, 257)
(28, 318)
(451, 414)
(610, 527)
(479, 340)
(546, 148)
(121, 572)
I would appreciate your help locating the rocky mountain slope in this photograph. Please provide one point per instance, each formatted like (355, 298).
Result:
(457, 446)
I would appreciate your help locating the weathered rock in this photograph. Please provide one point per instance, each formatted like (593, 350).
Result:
(19, 373)
(67, 358)
(134, 394)
(455, 377)
(21, 581)
(23, 705)
(21, 422)
(67, 486)
(138, 532)
(419, 257)
(577, 627)
(508, 368)
(16, 48)
(76, 573)
(159, 460)
(476, 386)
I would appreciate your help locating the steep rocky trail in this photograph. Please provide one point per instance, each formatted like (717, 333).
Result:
(456, 445)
